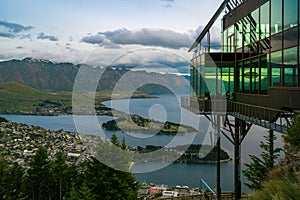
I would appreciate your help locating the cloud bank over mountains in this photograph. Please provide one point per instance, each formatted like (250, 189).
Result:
(152, 49)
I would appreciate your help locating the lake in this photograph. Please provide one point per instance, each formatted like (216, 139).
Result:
(164, 108)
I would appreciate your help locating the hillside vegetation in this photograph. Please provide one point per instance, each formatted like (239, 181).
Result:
(16, 97)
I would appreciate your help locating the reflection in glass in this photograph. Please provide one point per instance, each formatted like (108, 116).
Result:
(290, 13)
(276, 16)
(247, 76)
(264, 74)
(265, 20)
(240, 71)
(276, 42)
(254, 75)
(290, 37)
(290, 67)
(276, 61)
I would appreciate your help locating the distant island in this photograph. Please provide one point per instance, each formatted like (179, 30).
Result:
(136, 123)
(194, 153)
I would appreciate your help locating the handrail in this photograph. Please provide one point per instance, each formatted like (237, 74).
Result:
(274, 119)
(207, 186)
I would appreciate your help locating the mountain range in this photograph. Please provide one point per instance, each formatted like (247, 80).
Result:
(57, 77)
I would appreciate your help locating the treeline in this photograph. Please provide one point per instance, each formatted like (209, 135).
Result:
(194, 153)
(137, 123)
(54, 179)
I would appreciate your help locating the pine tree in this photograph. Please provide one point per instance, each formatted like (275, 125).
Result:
(36, 182)
(73, 193)
(123, 145)
(59, 176)
(14, 181)
(257, 170)
(293, 134)
(108, 183)
(86, 193)
(114, 140)
(3, 178)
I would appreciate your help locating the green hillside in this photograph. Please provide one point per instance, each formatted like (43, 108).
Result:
(16, 97)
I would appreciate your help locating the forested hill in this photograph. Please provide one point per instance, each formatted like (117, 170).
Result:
(55, 77)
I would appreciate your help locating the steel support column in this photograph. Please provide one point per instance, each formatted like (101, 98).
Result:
(219, 191)
(237, 159)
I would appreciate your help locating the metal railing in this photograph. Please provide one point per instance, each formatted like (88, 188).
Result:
(273, 119)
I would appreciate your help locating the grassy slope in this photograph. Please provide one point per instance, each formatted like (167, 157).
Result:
(15, 97)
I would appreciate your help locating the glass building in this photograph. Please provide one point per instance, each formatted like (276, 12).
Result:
(258, 60)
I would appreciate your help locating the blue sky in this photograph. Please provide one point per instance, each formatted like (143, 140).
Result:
(69, 30)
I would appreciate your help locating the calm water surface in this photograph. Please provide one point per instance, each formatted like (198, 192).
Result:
(164, 108)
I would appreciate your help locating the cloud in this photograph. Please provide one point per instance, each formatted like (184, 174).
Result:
(113, 33)
(12, 30)
(93, 39)
(43, 36)
(145, 36)
(153, 37)
(14, 27)
(167, 3)
(7, 35)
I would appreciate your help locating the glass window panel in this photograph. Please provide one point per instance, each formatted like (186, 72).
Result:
(240, 71)
(276, 16)
(264, 74)
(255, 16)
(290, 37)
(239, 37)
(276, 61)
(290, 70)
(276, 42)
(210, 77)
(290, 13)
(265, 20)
(225, 40)
(231, 77)
(254, 75)
(247, 76)
(226, 78)
(247, 34)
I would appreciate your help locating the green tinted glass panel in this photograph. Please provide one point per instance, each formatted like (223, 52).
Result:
(254, 75)
(247, 34)
(276, 16)
(239, 37)
(225, 78)
(210, 77)
(240, 71)
(290, 70)
(247, 76)
(290, 13)
(275, 62)
(264, 74)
